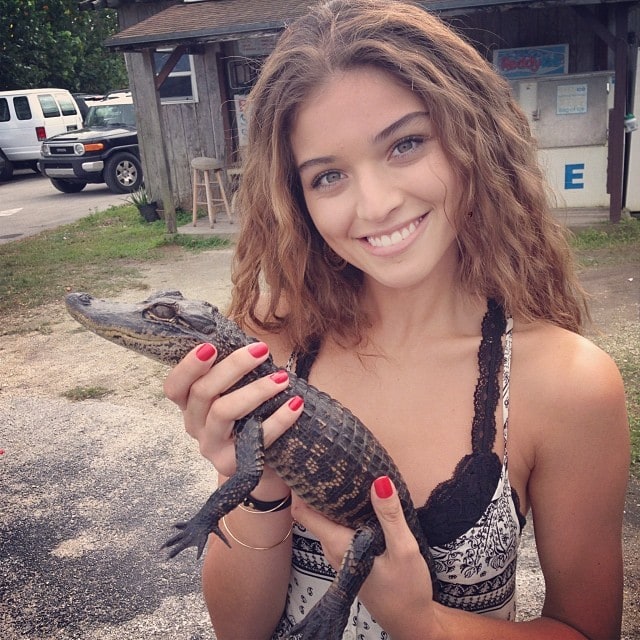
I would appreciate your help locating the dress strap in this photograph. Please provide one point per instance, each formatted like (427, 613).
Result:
(302, 361)
(506, 376)
(487, 392)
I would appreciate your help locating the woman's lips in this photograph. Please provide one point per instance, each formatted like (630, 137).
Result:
(395, 237)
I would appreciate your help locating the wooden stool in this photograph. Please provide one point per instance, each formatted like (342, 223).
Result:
(206, 166)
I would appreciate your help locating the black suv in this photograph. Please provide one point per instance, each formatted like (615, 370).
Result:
(104, 150)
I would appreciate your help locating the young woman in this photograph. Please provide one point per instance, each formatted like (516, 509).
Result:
(397, 244)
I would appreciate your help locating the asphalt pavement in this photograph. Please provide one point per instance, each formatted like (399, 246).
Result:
(30, 204)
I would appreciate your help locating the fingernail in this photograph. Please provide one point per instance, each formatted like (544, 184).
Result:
(205, 352)
(383, 487)
(295, 403)
(258, 349)
(279, 377)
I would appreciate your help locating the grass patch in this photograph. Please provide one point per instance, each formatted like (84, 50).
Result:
(78, 394)
(607, 243)
(624, 348)
(99, 252)
(631, 374)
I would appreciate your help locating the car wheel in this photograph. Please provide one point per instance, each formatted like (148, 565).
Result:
(6, 173)
(67, 186)
(123, 173)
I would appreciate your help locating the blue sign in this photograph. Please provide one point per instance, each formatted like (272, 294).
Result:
(529, 62)
(574, 176)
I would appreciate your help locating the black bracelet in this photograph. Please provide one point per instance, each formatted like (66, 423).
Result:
(261, 506)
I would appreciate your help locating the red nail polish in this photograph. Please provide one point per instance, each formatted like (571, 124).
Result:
(295, 403)
(279, 376)
(383, 487)
(258, 349)
(205, 352)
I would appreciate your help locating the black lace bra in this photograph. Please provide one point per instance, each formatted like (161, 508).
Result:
(455, 505)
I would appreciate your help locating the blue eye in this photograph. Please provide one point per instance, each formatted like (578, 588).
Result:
(407, 145)
(326, 179)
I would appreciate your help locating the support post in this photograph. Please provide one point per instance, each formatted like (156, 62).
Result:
(151, 130)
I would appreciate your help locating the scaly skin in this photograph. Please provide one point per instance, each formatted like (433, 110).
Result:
(329, 458)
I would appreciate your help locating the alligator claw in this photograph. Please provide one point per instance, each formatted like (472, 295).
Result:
(320, 626)
(192, 534)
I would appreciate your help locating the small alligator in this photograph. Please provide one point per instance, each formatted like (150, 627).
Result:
(329, 458)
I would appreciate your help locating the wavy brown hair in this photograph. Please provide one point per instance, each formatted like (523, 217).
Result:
(510, 248)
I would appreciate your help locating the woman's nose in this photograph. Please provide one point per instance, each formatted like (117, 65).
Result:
(378, 194)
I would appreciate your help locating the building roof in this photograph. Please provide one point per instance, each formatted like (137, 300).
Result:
(209, 21)
(197, 22)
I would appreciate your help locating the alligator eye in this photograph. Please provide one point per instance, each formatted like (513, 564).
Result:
(162, 312)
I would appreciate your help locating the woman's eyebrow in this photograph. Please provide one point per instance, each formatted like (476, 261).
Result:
(379, 137)
(398, 124)
(316, 161)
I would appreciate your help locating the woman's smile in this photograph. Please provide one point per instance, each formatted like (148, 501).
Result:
(397, 236)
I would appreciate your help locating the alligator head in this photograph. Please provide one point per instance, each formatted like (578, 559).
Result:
(165, 326)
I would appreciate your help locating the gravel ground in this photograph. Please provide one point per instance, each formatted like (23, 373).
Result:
(90, 489)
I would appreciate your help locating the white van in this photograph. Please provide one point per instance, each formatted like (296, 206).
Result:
(29, 116)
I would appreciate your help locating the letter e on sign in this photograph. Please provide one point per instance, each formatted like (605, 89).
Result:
(574, 176)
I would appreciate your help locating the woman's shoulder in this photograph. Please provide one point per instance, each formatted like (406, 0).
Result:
(566, 379)
(557, 355)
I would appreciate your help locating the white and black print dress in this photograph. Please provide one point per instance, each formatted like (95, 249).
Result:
(472, 521)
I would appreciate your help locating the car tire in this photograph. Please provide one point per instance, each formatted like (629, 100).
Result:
(6, 173)
(123, 173)
(66, 186)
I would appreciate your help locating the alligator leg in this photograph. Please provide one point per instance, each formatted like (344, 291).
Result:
(249, 465)
(329, 617)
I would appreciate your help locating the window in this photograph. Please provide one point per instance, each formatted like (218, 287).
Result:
(49, 106)
(180, 86)
(111, 115)
(5, 116)
(22, 107)
(66, 104)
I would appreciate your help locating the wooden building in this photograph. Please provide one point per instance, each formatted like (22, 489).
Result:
(191, 62)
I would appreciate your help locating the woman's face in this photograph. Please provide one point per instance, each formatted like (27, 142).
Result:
(376, 182)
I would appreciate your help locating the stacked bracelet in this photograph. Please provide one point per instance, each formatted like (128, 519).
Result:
(253, 505)
(249, 546)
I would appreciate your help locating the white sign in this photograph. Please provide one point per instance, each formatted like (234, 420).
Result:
(571, 98)
(257, 47)
(242, 119)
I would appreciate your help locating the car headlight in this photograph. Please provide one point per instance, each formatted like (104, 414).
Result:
(78, 149)
(44, 150)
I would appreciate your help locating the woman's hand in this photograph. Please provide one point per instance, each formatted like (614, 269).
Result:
(398, 591)
(196, 385)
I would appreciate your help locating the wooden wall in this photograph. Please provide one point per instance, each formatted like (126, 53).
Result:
(188, 129)
(194, 129)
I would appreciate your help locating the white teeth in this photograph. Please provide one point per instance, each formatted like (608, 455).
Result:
(395, 237)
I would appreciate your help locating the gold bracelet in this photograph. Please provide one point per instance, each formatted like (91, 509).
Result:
(248, 546)
(249, 502)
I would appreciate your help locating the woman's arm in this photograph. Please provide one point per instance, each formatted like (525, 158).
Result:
(245, 588)
(577, 491)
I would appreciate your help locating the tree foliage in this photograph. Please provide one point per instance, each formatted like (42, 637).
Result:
(51, 43)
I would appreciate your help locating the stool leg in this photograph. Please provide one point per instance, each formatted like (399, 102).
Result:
(195, 198)
(210, 206)
(224, 195)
